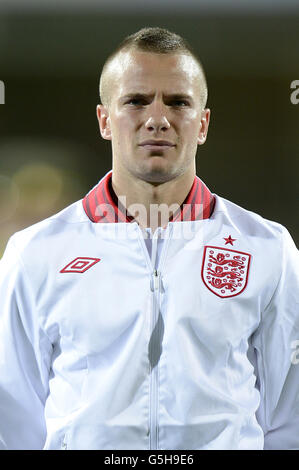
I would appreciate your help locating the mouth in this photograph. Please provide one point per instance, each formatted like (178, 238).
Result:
(156, 147)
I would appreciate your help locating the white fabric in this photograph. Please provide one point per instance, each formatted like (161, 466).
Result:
(125, 357)
(148, 239)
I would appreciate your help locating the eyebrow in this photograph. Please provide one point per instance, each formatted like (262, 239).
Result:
(174, 96)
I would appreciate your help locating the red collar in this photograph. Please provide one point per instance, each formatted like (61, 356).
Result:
(102, 205)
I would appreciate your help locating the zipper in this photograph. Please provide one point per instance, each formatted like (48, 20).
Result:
(154, 371)
(155, 288)
(64, 443)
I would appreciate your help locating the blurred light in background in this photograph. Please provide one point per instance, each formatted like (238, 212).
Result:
(37, 179)
(40, 187)
(9, 198)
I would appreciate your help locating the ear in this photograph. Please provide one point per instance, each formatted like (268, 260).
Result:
(204, 125)
(104, 121)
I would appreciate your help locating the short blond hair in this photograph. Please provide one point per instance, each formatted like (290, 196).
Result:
(155, 40)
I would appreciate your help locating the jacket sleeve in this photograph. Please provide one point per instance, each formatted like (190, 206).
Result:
(277, 351)
(25, 354)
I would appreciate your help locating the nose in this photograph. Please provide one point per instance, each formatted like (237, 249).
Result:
(157, 120)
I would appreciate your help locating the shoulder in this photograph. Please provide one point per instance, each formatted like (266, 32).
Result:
(269, 243)
(42, 236)
(247, 222)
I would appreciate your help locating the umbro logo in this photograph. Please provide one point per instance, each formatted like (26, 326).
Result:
(80, 265)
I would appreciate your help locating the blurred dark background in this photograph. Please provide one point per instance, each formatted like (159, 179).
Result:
(51, 151)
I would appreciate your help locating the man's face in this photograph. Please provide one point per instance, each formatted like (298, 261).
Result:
(154, 97)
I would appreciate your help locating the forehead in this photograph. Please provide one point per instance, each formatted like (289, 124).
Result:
(144, 70)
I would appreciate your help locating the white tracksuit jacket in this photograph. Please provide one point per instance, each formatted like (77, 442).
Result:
(191, 345)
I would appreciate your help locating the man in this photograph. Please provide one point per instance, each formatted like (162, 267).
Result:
(152, 314)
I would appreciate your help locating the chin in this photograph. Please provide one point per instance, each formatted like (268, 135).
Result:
(156, 175)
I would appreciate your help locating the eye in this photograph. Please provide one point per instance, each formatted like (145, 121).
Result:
(136, 102)
(180, 103)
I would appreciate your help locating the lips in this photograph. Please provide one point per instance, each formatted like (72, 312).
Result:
(157, 144)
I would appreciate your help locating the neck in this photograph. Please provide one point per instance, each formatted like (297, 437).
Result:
(152, 204)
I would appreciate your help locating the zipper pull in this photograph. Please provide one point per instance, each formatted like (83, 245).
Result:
(156, 279)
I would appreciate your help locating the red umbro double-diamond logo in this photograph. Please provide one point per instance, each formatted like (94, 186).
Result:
(80, 265)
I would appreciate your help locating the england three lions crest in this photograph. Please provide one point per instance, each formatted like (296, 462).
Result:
(224, 271)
